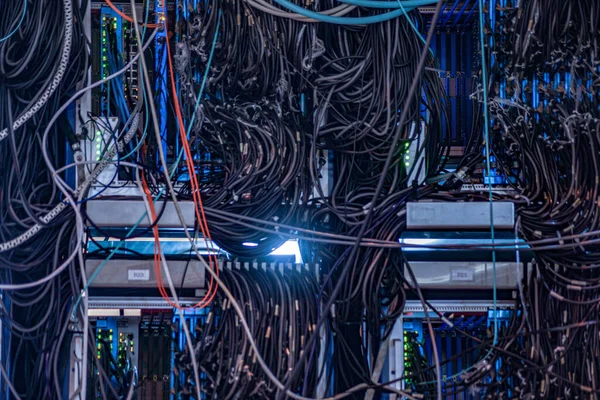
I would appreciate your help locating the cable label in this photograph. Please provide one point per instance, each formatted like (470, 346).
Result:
(462, 275)
(138, 275)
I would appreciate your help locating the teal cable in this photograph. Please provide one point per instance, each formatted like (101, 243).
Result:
(19, 24)
(204, 78)
(388, 4)
(120, 244)
(141, 140)
(130, 232)
(410, 21)
(372, 19)
(105, 261)
(488, 167)
(486, 119)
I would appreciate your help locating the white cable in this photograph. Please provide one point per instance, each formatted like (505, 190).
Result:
(215, 276)
(165, 266)
(62, 206)
(221, 284)
(52, 214)
(84, 360)
(146, 82)
(62, 67)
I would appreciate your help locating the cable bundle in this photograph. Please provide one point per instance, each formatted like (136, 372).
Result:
(264, 101)
(544, 112)
(281, 309)
(258, 55)
(262, 158)
(42, 61)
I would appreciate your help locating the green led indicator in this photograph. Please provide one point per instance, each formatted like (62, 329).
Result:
(407, 164)
(407, 157)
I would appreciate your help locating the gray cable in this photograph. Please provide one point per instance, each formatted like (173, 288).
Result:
(171, 191)
(52, 214)
(62, 67)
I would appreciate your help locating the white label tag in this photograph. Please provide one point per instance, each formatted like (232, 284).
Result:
(462, 275)
(138, 274)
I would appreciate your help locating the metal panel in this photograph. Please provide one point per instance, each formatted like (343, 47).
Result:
(124, 213)
(138, 303)
(464, 275)
(448, 215)
(140, 274)
(455, 306)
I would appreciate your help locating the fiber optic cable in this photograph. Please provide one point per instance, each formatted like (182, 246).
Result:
(16, 28)
(372, 19)
(486, 120)
(408, 5)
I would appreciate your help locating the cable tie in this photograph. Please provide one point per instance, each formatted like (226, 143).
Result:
(556, 295)
(568, 229)
(560, 240)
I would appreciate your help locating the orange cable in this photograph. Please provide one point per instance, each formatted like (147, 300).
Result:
(157, 250)
(200, 215)
(127, 17)
(199, 209)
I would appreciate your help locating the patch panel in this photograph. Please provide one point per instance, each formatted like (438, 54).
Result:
(104, 339)
(453, 45)
(181, 382)
(114, 44)
(106, 353)
(155, 347)
(135, 347)
(411, 348)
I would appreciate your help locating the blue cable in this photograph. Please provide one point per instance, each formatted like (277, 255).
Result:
(114, 137)
(372, 19)
(407, 4)
(410, 21)
(488, 167)
(144, 134)
(208, 64)
(130, 232)
(486, 119)
(19, 24)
